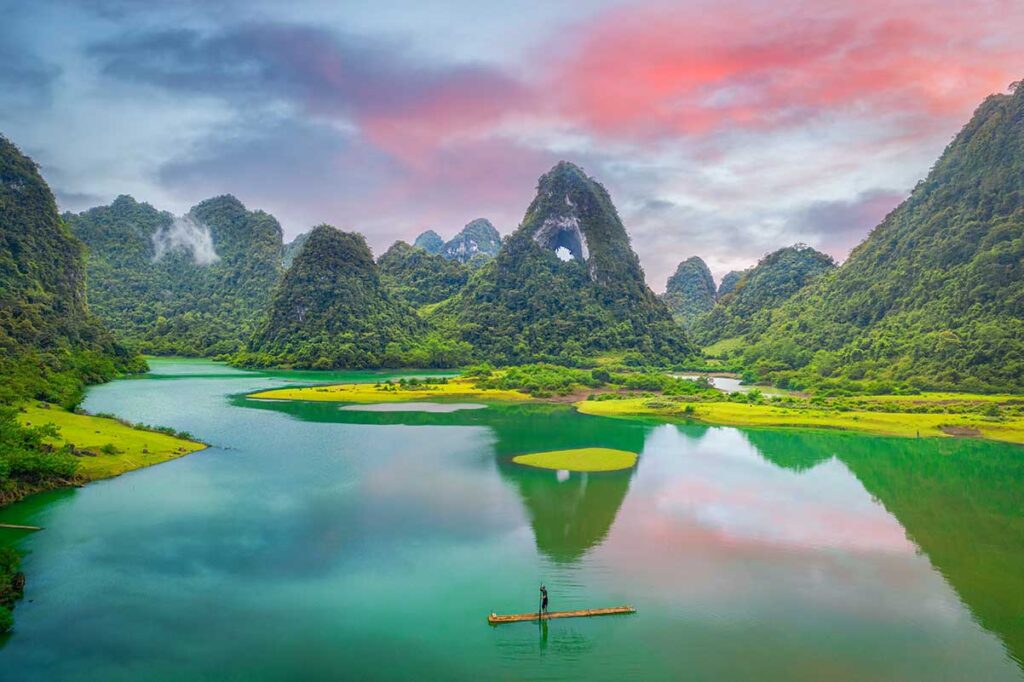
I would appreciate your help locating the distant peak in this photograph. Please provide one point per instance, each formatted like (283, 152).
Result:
(565, 172)
(429, 241)
(221, 200)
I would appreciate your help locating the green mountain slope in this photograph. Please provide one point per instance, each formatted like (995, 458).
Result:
(189, 286)
(291, 250)
(690, 291)
(729, 281)
(477, 242)
(935, 295)
(527, 304)
(420, 277)
(430, 242)
(331, 310)
(748, 307)
(50, 343)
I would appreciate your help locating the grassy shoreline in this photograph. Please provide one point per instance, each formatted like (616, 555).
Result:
(105, 447)
(938, 414)
(905, 424)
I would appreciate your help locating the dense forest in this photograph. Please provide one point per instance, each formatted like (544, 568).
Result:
(180, 286)
(332, 310)
(420, 277)
(934, 297)
(690, 291)
(748, 305)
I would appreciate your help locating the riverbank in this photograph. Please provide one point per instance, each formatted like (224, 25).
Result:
(965, 415)
(101, 447)
(925, 416)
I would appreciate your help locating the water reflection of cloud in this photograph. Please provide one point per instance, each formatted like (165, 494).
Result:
(712, 523)
(724, 487)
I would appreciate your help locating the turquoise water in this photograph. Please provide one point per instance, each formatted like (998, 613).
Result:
(311, 542)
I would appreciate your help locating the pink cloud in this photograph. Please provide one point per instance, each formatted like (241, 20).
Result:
(657, 70)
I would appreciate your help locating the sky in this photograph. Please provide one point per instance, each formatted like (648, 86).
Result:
(725, 129)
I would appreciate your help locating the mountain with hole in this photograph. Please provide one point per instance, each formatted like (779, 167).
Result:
(565, 286)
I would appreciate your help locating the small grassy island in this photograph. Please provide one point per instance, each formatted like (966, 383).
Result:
(401, 391)
(580, 459)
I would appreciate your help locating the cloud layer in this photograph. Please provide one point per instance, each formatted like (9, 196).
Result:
(721, 129)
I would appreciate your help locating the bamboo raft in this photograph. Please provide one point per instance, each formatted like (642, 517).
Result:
(14, 526)
(495, 619)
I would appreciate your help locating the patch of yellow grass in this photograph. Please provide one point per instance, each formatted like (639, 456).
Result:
(137, 448)
(941, 397)
(382, 393)
(580, 459)
(882, 423)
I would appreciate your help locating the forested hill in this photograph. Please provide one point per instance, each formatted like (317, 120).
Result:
(528, 304)
(331, 310)
(729, 282)
(50, 343)
(690, 291)
(935, 295)
(748, 306)
(430, 242)
(475, 244)
(193, 285)
(292, 248)
(420, 277)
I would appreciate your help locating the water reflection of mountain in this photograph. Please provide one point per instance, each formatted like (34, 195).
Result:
(568, 516)
(960, 501)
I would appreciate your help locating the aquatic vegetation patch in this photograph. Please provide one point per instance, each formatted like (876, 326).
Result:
(580, 459)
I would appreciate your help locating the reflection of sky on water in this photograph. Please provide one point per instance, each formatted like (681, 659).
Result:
(724, 486)
(711, 522)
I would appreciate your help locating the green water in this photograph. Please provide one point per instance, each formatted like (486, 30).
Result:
(312, 543)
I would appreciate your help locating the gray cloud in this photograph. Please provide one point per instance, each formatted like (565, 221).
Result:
(837, 226)
(26, 80)
(326, 72)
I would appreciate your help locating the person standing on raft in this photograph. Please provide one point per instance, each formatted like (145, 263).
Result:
(543, 599)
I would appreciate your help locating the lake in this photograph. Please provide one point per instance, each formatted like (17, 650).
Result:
(312, 542)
